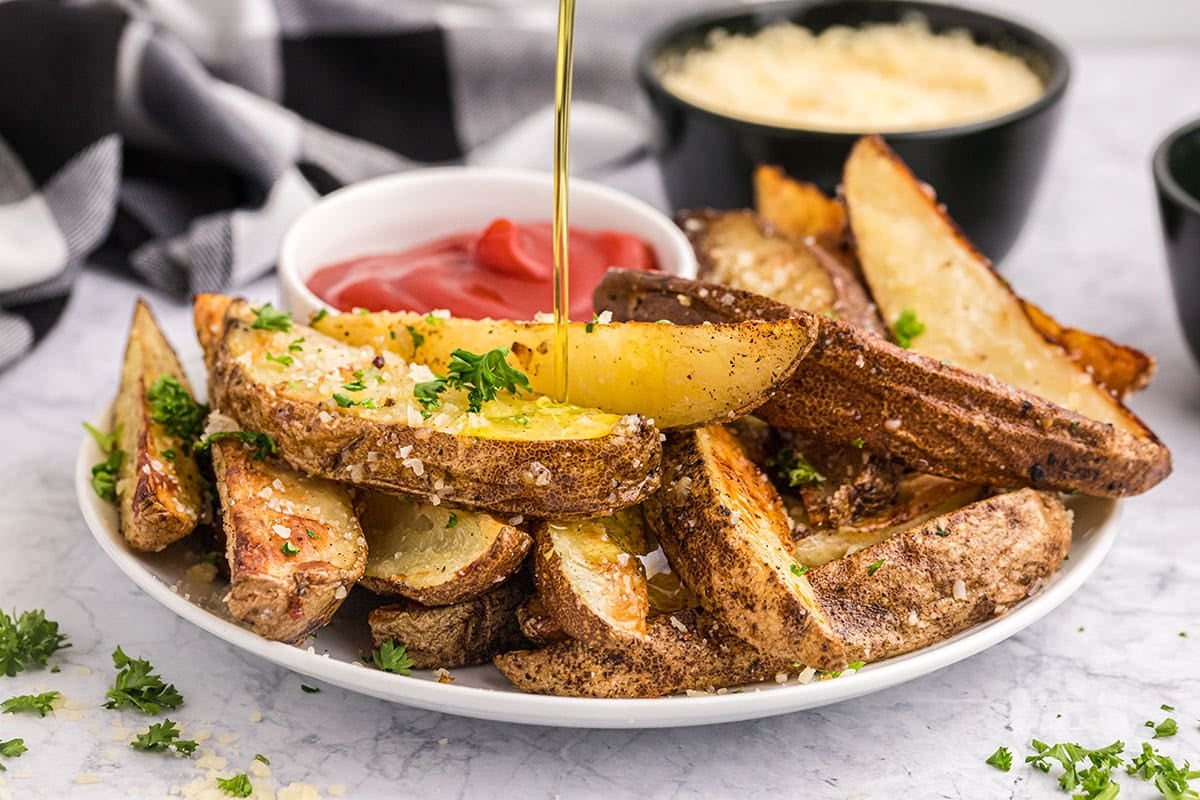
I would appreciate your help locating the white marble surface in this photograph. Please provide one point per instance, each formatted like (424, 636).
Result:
(1093, 671)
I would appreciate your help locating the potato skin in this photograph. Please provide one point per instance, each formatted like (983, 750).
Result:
(536, 623)
(1002, 548)
(589, 476)
(284, 597)
(456, 635)
(723, 528)
(160, 501)
(682, 651)
(951, 422)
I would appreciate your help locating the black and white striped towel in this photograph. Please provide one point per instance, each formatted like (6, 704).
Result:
(178, 138)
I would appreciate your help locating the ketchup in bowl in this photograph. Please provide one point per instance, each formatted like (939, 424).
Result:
(505, 272)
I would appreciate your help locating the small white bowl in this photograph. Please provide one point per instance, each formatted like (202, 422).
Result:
(397, 212)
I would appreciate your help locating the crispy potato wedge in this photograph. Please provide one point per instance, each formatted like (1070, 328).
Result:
(592, 586)
(458, 635)
(723, 528)
(797, 208)
(934, 580)
(837, 485)
(932, 416)
(678, 376)
(915, 259)
(681, 651)
(520, 455)
(435, 555)
(921, 498)
(294, 546)
(739, 249)
(538, 626)
(160, 495)
(1119, 368)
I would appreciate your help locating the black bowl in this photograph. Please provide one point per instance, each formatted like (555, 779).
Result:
(985, 172)
(1177, 177)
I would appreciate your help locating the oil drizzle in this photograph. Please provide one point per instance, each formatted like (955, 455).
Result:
(562, 130)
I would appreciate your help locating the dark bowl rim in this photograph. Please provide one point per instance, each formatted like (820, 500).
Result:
(1162, 171)
(654, 44)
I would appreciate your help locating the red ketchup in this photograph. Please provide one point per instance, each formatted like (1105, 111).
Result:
(506, 272)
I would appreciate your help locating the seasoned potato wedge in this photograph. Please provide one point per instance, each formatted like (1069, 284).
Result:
(592, 586)
(932, 581)
(160, 495)
(537, 624)
(932, 416)
(458, 635)
(724, 529)
(915, 260)
(349, 413)
(681, 651)
(921, 498)
(436, 555)
(1119, 368)
(678, 376)
(294, 546)
(797, 208)
(738, 249)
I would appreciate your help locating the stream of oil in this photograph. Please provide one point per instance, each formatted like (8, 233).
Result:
(562, 130)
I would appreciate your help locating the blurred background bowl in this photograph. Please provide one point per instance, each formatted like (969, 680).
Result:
(1176, 168)
(985, 172)
(397, 212)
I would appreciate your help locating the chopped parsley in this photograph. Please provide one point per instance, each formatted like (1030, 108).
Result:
(1095, 781)
(453, 521)
(856, 665)
(163, 735)
(430, 319)
(12, 749)
(39, 704)
(270, 318)
(907, 328)
(357, 384)
(1166, 707)
(418, 338)
(320, 315)
(262, 758)
(294, 346)
(104, 473)
(289, 549)
(345, 402)
(875, 566)
(391, 657)
(169, 455)
(311, 533)
(591, 326)
(237, 786)
(1001, 759)
(793, 468)
(481, 375)
(27, 641)
(1170, 780)
(262, 443)
(304, 687)
(173, 407)
(857, 442)
(283, 360)
(940, 531)
(799, 569)
(138, 686)
(1168, 727)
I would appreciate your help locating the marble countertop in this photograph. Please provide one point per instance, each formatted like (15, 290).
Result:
(1093, 671)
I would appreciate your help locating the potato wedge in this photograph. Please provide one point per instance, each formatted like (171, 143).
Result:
(538, 626)
(723, 528)
(436, 555)
(797, 208)
(458, 635)
(836, 485)
(160, 495)
(932, 581)
(593, 587)
(739, 249)
(678, 376)
(681, 651)
(915, 259)
(932, 416)
(921, 498)
(349, 414)
(1119, 368)
(294, 546)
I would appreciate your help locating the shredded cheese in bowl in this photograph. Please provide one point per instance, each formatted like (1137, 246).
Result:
(878, 78)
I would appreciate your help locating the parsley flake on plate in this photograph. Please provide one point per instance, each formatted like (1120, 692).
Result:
(27, 641)
(1001, 759)
(237, 786)
(39, 704)
(161, 736)
(12, 749)
(391, 657)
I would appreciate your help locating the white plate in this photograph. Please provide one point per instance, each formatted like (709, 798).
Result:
(482, 692)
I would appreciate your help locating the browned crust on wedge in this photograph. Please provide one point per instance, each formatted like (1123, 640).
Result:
(283, 597)
(588, 477)
(1119, 368)
(456, 635)
(537, 624)
(723, 527)
(682, 651)
(161, 499)
(934, 417)
(899, 595)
